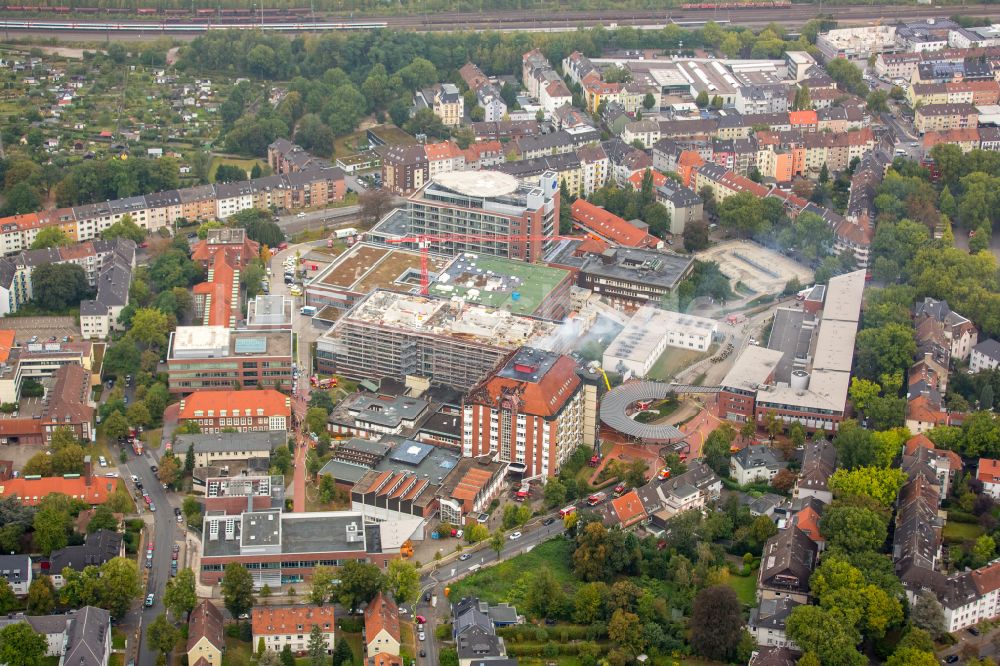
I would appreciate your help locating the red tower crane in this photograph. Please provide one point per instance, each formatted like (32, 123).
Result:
(423, 242)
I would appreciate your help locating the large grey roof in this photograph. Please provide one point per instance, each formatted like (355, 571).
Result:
(230, 441)
(88, 637)
(15, 568)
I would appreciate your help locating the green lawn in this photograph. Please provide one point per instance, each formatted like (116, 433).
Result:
(674, 359)
(244, 164)
(238, 653)
(116, 659)
(152, 438)
(746, 588)
(508, 581)
(357, 647)
(955, 531)
(118, 639)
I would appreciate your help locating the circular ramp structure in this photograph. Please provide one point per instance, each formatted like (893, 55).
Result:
(616, 404)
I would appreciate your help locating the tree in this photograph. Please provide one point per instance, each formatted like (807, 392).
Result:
(52, 526)
(622, 631)
(322, 585)
(911, 657)
(927, 614)
(648, 102)
(116, 426)
(170, 470)
(314, 136)
(853, 528)
(375, 204)
(180, 597)
(191, 508)
(287, 657)
(189, 459)
(716, 623)
(545, 596)
(162, 635)
(497, 542)
(741, 213)
(342, 654)
(8, 601)
(359, 582)
(822, 633)
(149, 327)
(878, 101)
(476, 532)
(316, 419)
(783, 481)
(56, 287)
(403, 581)
(882, 485)
(41, 596)
(702, 99)
(317, 646)
(21, 644)
(695, 236)
(237, 589)
(51, 237)
(885, 350)
(554, 493)
(269, 658)
(590, 559)
(124, 228)
(802, 100)
(103, 519)
(847, 75)
(716, 449)
(22, 198)
(983, 550)
(119, 586)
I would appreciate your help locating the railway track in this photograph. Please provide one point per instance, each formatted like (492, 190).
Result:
(506, 21)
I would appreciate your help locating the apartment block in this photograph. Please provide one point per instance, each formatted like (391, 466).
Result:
(941, 117)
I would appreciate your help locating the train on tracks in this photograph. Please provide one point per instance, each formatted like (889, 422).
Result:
(182, 26)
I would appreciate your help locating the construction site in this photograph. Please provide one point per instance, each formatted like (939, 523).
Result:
(759, 269)
(446, 341)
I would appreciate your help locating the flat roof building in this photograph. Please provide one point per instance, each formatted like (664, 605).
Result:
(215, 357)
(281, 548)
(364, 268)
(629, 277)
(649, 332)
(515, 286)
(488, 207)
(269, 313)
(446, 341)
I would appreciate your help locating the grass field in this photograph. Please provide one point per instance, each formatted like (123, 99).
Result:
(673, 360)
(746, 588)
(237, 652)
(508, 581)
(955, 531)
(243, 164)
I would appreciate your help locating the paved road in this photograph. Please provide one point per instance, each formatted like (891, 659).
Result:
(454, 569)
(307, 221)
(165, 531)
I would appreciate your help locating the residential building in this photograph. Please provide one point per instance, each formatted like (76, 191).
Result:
(206, 639)
(223, 447)
(960, 333)
(397, 335)
(444, 157)
(767, 622)
(566, 168)
(97, 548)
(646, 336)
(941, 117)
(595, 166)
(475, 636)
(504, 130)
(281, 548)
(612, 228)
(67, 405)
(98, 317)
(214, 357)
(819, 461)
(260, 410)
(683, 205)
(484, 155)
(381, 626)
(724, 183)
(233, 242)
(405, 168)
(764, 98)
(529, 410)
(285, 157)
(787, 562)
(279, 626)
(445, 100)
(754, 464)
(988, 473)
(482, 204)
(646, 132)
(985, 356)
(16, 570)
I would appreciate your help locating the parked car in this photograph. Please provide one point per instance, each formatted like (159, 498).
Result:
(422, 636)
(149, 600)
(514, 536)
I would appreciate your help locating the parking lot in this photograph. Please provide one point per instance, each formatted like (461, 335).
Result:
(760, 269)
(44, 327)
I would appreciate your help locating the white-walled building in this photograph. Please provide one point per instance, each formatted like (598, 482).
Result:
(648, 334)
